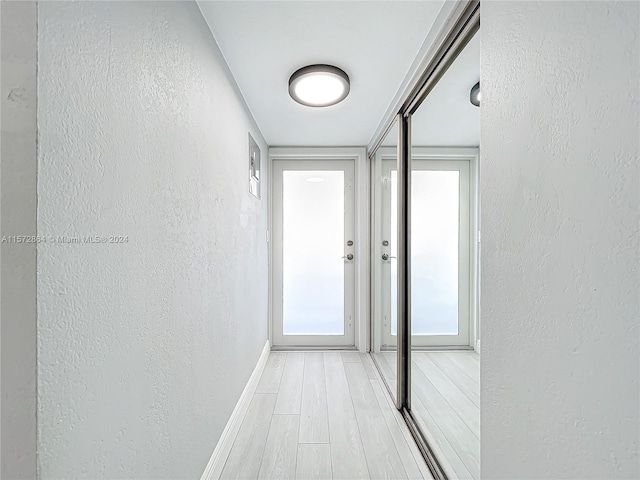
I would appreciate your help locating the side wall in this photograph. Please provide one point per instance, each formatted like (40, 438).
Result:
(560, 191)
(145, 345)
(18, 217)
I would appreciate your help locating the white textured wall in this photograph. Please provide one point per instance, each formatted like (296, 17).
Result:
(18, 292)
(560, 193)
(144, 347)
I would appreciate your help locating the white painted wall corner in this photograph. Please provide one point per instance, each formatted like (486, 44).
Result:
(221, 452)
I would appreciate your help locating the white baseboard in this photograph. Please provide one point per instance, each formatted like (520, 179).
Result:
(221, 452)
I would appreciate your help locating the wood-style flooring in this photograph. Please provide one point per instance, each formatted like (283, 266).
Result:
(323, 416)
(445, 401)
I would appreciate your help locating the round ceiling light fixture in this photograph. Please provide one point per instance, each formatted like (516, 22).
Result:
(474, 95)
(319, 85)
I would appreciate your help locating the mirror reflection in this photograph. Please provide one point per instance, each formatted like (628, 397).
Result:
(385, 252)
(445, 364)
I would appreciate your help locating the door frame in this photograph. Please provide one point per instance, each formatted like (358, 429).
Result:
(469, 154)
(362, 229)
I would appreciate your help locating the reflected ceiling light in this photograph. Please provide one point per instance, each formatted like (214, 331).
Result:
(474, 96)
(315, 179)
(319, 85)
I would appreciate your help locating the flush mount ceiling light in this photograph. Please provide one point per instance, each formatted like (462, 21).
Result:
(319, 85)
(474, 96)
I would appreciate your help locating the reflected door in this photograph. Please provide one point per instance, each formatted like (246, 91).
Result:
(440, 275)
(313, 253)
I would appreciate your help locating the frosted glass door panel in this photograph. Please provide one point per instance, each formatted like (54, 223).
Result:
(434, 252)
(312, 249)
(314, 255)
(435, 197)
(439, 253)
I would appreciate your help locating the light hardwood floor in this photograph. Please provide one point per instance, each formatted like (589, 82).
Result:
(445, 402)
(323, 416)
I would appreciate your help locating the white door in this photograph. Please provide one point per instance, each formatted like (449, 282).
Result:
(440, 252)
(313, 253)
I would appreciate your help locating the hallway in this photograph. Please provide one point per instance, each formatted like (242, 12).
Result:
(189, 185)
(320, 416)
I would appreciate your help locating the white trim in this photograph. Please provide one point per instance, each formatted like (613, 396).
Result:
(363, 274)
(269, 248)
(376, 250)
(223, 447)
(347, 167)
(362, 218)
(474, 339)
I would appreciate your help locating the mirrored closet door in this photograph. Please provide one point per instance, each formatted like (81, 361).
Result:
(425, 248)
(445, 368)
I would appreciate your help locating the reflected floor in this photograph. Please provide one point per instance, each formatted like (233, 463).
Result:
(446, 404)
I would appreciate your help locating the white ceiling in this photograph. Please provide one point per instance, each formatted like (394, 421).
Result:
(264, 42)
(446, 118)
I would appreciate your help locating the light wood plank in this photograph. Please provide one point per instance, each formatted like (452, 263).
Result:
(347, 453)
(314, 422)
(461, 438)
(442, 435)
(370, 368)
(443, 451)
(314, 461)
(360, 438)
(388, 372)
(270, 380)
(350, 357)
(392, 361)
(464, 382)
(453, 466)
(381, 454)
(246, 454)
(426, 473)
(466, 363)
(474, 356)
(281, 449)
(406, 453)
(290, 392)
(463, 406)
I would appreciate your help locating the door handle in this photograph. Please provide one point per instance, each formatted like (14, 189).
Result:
(386, 257)
(349, 256)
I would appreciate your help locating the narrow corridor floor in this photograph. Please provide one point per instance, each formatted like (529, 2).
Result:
(445, 401)
(323, 416)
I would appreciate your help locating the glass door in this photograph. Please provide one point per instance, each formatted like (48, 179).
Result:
(313, 253)
(439, 250)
